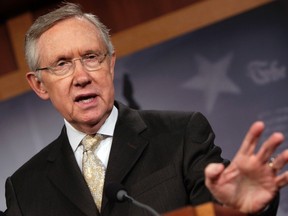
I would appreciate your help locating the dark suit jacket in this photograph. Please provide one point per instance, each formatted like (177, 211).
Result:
(158, 156)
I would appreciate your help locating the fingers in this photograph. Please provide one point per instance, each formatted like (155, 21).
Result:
(282, 180)
(250, 141)
(278, 163)
(269, 147)
(252, 137)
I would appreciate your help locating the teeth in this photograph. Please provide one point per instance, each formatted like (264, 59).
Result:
(88, 100)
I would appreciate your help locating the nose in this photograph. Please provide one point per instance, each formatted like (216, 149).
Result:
(81, 77)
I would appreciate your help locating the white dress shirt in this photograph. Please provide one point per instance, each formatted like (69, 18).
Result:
(103, 149)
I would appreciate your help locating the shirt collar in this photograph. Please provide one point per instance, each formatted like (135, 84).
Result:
(75, 136)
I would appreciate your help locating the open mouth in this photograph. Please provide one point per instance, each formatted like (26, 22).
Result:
(85, 98)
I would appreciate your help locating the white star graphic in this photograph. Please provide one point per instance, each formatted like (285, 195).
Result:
(212, 79)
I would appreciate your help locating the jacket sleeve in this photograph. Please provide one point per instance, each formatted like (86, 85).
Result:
(13, 208)
(199, 151)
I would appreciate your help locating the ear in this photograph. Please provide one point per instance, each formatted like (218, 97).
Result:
(37, 85)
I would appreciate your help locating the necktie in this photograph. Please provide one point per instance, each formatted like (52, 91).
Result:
(92, 168)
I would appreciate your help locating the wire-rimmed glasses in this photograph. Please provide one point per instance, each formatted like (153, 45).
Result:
(90, 62)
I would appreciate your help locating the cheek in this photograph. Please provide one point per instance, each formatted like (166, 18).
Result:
(62, 103)
(107, 89)
(58, 93)
(109, 84)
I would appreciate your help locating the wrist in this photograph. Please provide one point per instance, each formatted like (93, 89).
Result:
(260, 212)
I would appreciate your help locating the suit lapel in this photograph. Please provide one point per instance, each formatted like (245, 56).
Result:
(65, 174)
(125, 151)
(127, 147)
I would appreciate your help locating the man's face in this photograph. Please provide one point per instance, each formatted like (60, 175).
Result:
(84, 98)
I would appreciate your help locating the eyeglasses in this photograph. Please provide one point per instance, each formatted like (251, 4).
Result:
(90, 62)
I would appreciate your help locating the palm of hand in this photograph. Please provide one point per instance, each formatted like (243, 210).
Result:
(246, 184)
(249, 184)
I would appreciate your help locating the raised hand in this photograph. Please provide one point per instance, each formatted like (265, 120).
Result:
(252, 179)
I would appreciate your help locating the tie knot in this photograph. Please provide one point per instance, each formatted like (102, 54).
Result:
(91, 142)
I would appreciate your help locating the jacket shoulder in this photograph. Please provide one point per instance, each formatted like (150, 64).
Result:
(38, 161)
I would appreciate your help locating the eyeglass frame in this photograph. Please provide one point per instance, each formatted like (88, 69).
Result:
(51, 69)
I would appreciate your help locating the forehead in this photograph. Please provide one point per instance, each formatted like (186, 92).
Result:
(70, 36)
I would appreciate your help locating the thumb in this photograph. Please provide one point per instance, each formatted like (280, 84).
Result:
(212, 172)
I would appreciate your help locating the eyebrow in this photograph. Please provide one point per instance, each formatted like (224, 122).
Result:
(67, 57)
(93, 51)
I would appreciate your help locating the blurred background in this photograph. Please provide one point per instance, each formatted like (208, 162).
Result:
(224, 58)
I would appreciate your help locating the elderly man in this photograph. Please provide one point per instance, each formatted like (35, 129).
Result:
(166, 160)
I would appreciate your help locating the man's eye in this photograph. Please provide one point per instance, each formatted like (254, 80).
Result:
(91, 57)
(62, 64)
